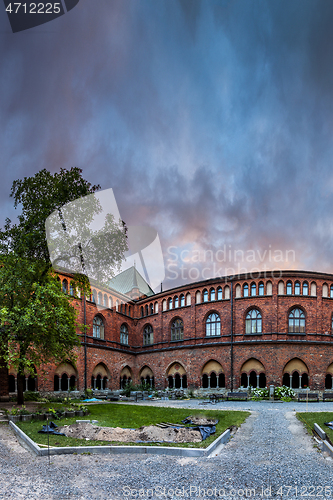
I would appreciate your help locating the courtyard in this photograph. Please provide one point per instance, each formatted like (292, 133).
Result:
(271, 455)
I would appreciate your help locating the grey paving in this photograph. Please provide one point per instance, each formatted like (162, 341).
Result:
(268, 457)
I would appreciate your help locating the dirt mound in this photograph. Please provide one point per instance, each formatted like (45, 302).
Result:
(202, 420)
(151, 433)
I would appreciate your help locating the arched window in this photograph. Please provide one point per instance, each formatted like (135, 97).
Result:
(253, 290)
(170, 303)
(198, 297)
(261, 288)
(253, 322)
(177, 329)
(146, 309)
(176, 302)
(65, 286)
(212, 294)
(105, 300)
(289, 288)
(151, 308)
(98, 328)
(93, 296)
(99, 298)
(205, 296)
(213, 325)
(124, 334)
(219, 293)
(141, 310)
(331, 291)
(305, 288)
(71, 289)
(110, 303)
(297, 288)
(246, 290)
(148, 335)
(296, 321)
(182, 301)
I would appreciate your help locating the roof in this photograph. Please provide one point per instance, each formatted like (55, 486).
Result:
(126, 281)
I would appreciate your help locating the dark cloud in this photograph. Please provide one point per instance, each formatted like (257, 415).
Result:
(212, 121)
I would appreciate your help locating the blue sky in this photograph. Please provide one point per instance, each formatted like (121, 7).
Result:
(211, 120)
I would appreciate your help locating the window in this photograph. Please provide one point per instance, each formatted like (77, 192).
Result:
(219, 293)
(297, 288)
(305, 288)
(65, 286)
(170, 303)
(213, 325)
(99, 298)
(212, 294)
(98, 328)
(246, 290)
(331, 291)
(148, 335)
(93, 296)
(253, 322)
(261, 288)
(176, 302)
(205, 296)
(182, 301)
(105, 300)
(289, 288)
(71, 289)
(296, 322)
(146, 309)
(253, 290)
(124, 334)
(151, 308)
(177, 330)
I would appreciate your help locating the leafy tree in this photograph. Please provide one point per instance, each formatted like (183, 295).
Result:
(37, 319)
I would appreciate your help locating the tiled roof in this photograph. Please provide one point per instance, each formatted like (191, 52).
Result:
(129, 279)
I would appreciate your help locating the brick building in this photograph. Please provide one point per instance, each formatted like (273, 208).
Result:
(219, 333)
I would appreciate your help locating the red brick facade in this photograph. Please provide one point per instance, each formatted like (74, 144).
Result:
(290, 339)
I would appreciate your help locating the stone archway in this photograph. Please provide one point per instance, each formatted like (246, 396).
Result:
(295, 374)
(253, 374)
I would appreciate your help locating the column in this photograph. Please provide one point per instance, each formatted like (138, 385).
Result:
(217, 381)
(208, 381)
(331, 382)
(300, 381)
(290, 380)
(257, 380)
(181, 382)
(173, 382)
(94, 384)
(26, 383)
(202, 381)
(107, 383)
(248, 380)
(68, 383)
(15, 383)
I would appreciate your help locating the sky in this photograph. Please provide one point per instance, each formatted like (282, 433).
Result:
(211, 120)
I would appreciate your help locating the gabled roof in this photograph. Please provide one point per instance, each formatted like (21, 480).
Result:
(128, 280)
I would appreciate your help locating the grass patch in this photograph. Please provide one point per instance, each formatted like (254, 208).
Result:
(320, 417)
(133, 417)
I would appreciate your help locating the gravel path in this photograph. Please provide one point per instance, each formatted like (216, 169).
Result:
(268, 457)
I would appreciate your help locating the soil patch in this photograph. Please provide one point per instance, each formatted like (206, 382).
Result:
(150, 433)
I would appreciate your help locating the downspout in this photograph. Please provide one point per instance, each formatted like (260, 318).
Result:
(85, 340)
(232, 338)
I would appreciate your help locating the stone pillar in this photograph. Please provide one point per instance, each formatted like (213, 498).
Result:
(26, 383)
(68, 383)
(15, 384)
(95, 383)
(257, 380)
(202, 381)
(181, 382)
(290, 380)
(173, 382)
(208, 381)
(248, 380)
(217, 382)
(300, 381)
(107, 383)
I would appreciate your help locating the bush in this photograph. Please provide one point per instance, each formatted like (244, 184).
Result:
(259, 394)
(284, 392)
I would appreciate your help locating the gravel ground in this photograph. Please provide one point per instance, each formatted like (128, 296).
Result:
(269, 457)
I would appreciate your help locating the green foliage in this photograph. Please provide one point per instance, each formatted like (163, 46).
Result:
(284, 392)
(88, 393)
(259, 394)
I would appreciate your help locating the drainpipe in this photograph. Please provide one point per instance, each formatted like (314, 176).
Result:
(232, 339)
(85, 340)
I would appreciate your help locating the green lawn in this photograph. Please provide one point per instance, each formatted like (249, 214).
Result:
(320, 417)
(133, 417)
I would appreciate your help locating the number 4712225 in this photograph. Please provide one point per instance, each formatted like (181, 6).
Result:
(34, 8)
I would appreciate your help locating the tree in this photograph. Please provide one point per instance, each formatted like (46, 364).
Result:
(37, 320)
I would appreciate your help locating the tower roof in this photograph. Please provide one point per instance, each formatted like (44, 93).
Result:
(128, 280)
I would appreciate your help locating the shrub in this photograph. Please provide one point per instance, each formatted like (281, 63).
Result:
(284, 392)
(258, 394)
